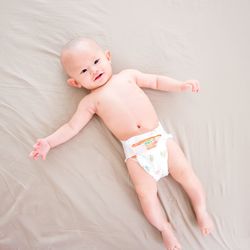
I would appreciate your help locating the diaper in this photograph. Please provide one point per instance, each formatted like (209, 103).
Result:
(150, 150)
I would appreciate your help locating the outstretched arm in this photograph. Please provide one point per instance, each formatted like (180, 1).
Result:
(83, 114)
(164, 83)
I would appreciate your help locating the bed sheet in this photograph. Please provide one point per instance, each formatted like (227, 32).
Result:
(81, 197)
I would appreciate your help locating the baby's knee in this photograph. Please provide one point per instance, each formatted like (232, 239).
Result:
(184, 175)
(146, 191)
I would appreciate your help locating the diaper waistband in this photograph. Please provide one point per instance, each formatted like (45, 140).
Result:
(158, 130)
(131, 151)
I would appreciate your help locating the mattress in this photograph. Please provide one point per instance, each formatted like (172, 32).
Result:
(81, 196)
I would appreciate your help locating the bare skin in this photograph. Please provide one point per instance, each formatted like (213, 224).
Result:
(125, 109)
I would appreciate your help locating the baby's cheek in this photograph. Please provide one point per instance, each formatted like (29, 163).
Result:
(87, 84)
(84, 81)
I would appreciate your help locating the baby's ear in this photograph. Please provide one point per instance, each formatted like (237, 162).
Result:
(108, 55)
(73, 83)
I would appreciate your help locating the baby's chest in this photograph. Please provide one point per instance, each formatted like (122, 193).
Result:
(120, 96)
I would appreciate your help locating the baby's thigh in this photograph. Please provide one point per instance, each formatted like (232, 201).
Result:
(145, 185)
(178, 164)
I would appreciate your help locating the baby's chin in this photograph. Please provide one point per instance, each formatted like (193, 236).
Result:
(99, 84)
(104, 79)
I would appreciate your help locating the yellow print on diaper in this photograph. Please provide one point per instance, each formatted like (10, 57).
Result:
(149, 143)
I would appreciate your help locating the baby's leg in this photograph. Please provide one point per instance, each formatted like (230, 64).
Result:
(183, 173)
(146, 190)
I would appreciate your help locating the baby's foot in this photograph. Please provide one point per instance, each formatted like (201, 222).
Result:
(205, 222)
(170, 241)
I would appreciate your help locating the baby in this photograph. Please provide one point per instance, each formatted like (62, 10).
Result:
(150, 152)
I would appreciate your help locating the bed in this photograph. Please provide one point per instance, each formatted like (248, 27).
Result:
(81, 197)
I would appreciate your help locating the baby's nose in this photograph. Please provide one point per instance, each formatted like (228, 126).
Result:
(93, 71)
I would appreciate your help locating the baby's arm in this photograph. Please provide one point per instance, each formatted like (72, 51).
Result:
(84, 112)
(164, 83)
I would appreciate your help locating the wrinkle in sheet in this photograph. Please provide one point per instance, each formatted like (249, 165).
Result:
(13, 203)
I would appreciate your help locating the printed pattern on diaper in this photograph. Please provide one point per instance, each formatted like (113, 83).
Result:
(154, 162)
(151, 153)
(147, 143)
(150, 150)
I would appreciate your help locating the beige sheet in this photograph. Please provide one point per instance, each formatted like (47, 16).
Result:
(81, 197)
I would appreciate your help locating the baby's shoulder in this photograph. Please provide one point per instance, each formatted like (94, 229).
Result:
(88, 100)
(129, 73)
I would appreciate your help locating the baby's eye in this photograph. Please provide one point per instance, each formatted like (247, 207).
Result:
(83, 71)
(96, 61)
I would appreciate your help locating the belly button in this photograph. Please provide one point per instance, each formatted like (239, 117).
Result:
(138, 126)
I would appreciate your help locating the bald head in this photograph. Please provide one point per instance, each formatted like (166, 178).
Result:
(83, 60)
(75, 46)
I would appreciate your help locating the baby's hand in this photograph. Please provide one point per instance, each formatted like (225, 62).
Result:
(41, 148)
(193, 84)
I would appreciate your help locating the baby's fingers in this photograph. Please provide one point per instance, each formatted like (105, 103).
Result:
(31, 155)
(34, 154)
(193, 84)
(196, 86)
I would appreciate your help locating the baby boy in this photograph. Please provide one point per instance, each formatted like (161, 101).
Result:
(150, 152)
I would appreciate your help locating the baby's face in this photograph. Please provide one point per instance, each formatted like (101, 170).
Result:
(88, 67)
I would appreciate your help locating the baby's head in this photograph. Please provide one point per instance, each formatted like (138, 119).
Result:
(86, 64)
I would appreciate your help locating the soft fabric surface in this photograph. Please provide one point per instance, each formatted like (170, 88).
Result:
(81, 197)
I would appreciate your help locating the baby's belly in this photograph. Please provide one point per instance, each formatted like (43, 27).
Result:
(128, 123)
(126, 110)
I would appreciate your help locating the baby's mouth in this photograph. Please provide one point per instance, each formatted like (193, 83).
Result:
(99, 76)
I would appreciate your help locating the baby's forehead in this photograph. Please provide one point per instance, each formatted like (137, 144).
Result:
(83, 52)
(78, 51)
(81, 45)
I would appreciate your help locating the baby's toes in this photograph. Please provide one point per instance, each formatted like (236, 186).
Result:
(206, 231)
(177, 247)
